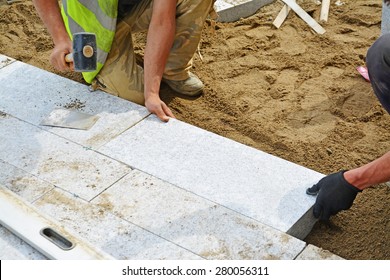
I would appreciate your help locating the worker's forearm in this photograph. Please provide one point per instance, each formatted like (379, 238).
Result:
(159, 42)
(49, 12)
(375, 172)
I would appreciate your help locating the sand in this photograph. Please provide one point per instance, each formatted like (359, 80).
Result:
(289, 92)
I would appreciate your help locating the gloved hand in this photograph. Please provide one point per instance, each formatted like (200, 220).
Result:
(334, 194)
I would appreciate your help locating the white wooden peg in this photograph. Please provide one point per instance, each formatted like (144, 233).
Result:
(305, 16)
(281, 17)
(324, 10)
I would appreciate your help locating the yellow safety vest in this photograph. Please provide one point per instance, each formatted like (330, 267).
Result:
(96, 16)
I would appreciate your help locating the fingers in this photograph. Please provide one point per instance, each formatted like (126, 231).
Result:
(163, 112)
(159, 108)
(57, 59)
(317, 210)
(326, 215)
(162, 116)
(347, 205)
(322, 213)
(313, 190)
(167, 111)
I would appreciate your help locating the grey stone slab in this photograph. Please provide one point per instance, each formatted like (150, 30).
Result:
(22, 183)
(115, 236)
(51, 158)
(232, 10)
(256, 184)
(195, 223)
(43, 232)
(312, 252)
(14, 248)
(30, 94)
(5, 61)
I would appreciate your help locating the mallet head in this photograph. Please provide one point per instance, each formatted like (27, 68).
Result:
(84, 54)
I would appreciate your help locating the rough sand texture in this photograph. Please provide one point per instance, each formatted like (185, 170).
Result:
(289, 92)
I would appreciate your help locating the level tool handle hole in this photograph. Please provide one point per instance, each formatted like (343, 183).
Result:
(56, 238)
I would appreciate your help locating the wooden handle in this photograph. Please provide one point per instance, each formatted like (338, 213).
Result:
(69, 57)
(88, 51)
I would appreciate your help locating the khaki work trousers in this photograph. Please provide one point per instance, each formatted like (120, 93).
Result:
(121, 76)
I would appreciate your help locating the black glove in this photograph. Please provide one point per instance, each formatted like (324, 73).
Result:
(334, 194)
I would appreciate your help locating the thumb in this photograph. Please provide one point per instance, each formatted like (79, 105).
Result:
(314, 189)
(162, 116)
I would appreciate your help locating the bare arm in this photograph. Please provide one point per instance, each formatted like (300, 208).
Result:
(49, 12)
(375, 172)
(337, 191)
(160, 38)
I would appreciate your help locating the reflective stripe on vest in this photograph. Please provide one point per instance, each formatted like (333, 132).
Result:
(97, 17)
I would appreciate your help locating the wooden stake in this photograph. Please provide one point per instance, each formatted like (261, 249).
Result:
(281, 16)
(324, 10)
(305, 16)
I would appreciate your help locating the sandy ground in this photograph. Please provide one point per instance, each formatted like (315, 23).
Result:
(289, 92)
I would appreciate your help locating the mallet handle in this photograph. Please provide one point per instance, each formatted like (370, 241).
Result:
(69, 57)
(88, 51)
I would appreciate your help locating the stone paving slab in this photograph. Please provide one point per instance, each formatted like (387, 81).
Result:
(26, 185)
(5, 61)
(40, 92)
(201, 226)
(206, 177)
(232, 10)
(13, 248)
(314, 253)
(54, 159)
(256, 184)
(43, 232)
(90, 221)
(115, 236)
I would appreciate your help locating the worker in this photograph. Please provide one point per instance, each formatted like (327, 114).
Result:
(338, 191)
(385, 28)
(173, 34)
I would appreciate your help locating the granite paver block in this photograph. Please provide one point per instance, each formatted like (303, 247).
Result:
(195, 223)
(62, 163)
(30, 94)
(22, 183)
(44, 233)
(5, 61)
(113, 235)
(256, 184)
(312, 252)
(232, 10)
(14, 248)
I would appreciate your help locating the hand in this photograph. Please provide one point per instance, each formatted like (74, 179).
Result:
(57, 57)
(387, 2)
(156, 106)
(334, 194)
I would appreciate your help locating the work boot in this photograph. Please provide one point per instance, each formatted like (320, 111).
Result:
(192, 86)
